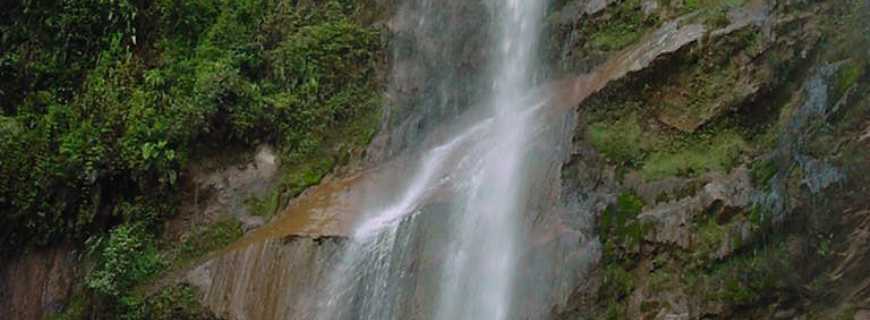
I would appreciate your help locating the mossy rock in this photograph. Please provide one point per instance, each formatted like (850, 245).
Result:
(205, 240)
(621, 232)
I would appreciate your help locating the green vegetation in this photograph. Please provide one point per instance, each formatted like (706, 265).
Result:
(616, 27)
(848, 74)
(748, 278)
(618, 282)
(715, 153)
(762, 171)
(207, 239)
(76, 309)
(127, 255)
(624, 25)
(172, 303)
(104, 102)
(706, 4)
(711, 12)
(621, 232)
(265, 206)
(308, 173)
(677, 123)
(658, 153)
(621, 140)
(710, 237)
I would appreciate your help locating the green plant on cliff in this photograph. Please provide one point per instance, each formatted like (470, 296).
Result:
(711, 5)
(720, 152)
(621, 140)
(76, 309)
(748, 278)
(205, 240)
(179, 302)
(104, 102)
(621, 232)
(655, 152)
(624, 25)
(846, 77)
(124, 257)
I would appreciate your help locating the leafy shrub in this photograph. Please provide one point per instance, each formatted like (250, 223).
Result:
(124, 257)
(172, 303)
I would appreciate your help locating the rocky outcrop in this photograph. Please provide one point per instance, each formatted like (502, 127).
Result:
(688, 240)
(220, 189)
(720, 197)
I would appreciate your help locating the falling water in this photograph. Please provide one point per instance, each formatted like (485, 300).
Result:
(483, 255)
(479, 170)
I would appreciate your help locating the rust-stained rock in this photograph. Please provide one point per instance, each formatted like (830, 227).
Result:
(267, 280)
(37, 284)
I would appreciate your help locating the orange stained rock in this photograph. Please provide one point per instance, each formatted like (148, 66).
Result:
(324, 210)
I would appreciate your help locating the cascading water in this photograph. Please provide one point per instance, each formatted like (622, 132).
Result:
(478, 275)
(480, 170)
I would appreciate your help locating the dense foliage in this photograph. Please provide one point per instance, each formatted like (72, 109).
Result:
(103, 102)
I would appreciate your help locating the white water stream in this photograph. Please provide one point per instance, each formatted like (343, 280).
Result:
(480, 172)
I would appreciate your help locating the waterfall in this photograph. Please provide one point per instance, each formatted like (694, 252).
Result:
(464, 217)
(479, 272)
(479, 172)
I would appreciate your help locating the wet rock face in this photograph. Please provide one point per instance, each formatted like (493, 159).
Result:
(286, 276)
(436, 65)
(696, 221)
(37, 284)
(267, 280)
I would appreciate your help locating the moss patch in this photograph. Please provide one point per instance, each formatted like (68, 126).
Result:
(625, 24)
(621, 232)
(620, 140)
(701, 85)
(265, 206)
(205, 240)
(746, 279)
(716, 153)
(588, 39)
(657, 152)
(848, 75)
(678, 121)
(762, 171)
